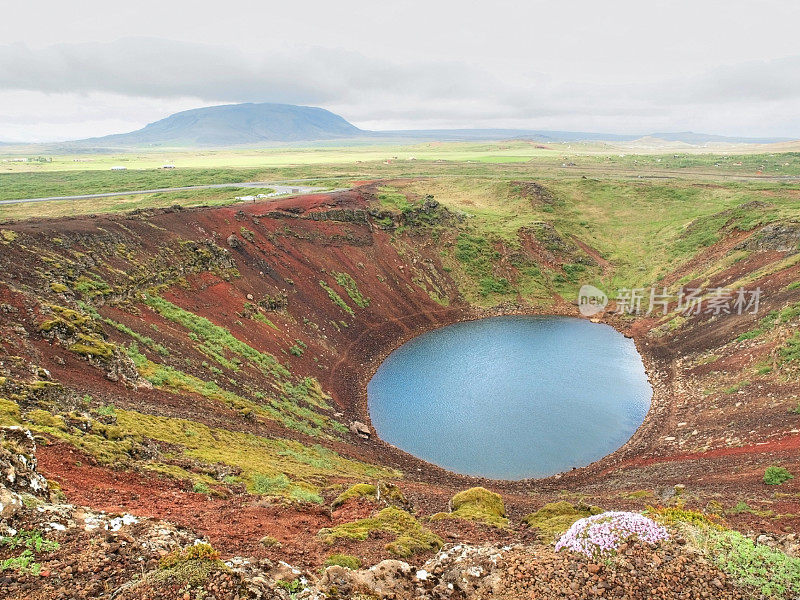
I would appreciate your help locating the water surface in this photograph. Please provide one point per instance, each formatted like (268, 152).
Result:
(511, 397)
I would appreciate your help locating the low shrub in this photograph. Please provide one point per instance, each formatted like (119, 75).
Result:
(776, 475)
(32, 544)
(773, 573)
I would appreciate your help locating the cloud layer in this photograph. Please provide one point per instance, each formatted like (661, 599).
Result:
(81, 89)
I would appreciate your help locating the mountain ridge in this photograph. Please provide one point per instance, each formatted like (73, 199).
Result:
(250, 124)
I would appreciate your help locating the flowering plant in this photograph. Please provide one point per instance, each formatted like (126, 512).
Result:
(603, 533)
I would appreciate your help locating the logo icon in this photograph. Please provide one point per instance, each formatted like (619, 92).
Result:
(591, 301)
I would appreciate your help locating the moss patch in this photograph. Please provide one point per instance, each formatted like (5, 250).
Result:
(388, 493)
(359, 490)
(477, 504)
(555, 518)
(411, 536)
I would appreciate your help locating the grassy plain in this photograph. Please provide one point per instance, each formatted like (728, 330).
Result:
(645, 213)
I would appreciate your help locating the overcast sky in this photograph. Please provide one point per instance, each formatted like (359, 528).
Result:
(78, 69)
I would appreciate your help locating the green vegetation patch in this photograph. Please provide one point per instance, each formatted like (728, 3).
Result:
(349, 284)
(343, 560)
(790, 352)
(190, 566)
(214, 334)
(555, 518)
(32, 544)
(772, 320)
(477, 504)
(707, 230)
(776, 475)
(385, 492)
(411, 536)
(360, 490)
(336, 298)
(768, 570)
(671, 515)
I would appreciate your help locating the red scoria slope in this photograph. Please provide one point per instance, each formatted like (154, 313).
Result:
(270, 274)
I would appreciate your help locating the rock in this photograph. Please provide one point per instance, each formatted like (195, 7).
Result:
(18, 463)
(10, 503)
(389, 579)
(779, 237)
(766, 540)
(233, 241)
(360, 429)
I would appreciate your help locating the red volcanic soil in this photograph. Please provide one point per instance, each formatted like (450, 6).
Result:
(717, 445)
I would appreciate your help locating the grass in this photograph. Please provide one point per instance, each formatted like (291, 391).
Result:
(349, 284)
(336, 298)
(274, 466)
(773, 319)
(216, 336)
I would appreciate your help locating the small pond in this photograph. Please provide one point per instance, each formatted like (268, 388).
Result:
(511, 397)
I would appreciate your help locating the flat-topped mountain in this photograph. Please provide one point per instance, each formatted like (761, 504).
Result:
(237, 124)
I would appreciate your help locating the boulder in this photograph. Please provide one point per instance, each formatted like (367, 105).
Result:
(18, 463)
(360, 429)
(389, 579)
(10, 503)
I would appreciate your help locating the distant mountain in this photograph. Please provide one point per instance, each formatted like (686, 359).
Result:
(280, 124)
(234, 125)
(542, 135)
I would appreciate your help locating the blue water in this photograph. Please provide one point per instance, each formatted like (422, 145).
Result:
(511, 397)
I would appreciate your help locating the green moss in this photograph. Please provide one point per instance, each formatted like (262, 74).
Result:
(344, 560)
(269, 466)
(9, 413)
(477, 504)
(336, 298)
(411, 537)
(8, 236)
(670, 515)
(92, 346)
(555, 518)
(359, 490)
(43, 418)
(90, 288)
(192, 565)
(58, 288)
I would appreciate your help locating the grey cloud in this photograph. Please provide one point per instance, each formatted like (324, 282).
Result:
(415, 93)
